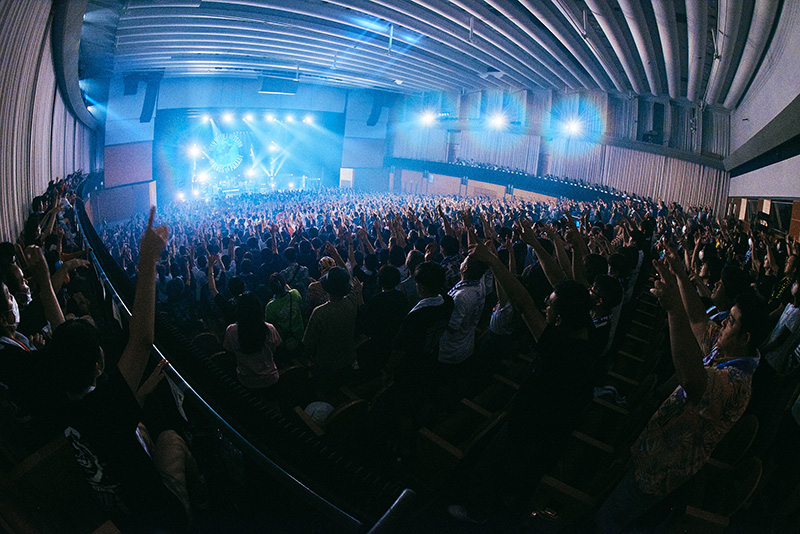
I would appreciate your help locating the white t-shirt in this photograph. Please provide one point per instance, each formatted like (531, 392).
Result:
(790, 319)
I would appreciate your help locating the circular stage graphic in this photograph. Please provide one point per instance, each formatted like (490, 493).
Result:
(223, 152)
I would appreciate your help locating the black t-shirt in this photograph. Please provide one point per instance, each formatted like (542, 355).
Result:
(227, 307)
(101, 428)
(419, 337)
(553, 396)
(380, 318)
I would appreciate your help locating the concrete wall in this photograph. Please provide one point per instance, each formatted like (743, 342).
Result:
(776, 83)
(779, 180)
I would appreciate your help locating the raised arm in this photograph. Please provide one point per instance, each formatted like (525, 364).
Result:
(519, 297)
(690, 299)
(140, 341)
(38, 267)
(212, 283)
(552, 271)
(686, 355)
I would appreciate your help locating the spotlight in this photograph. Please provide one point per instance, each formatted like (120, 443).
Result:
(181, 196)
(206, 118)
(194, 151)
(498, 120)
(228, 117)
(573, 127)
(308, 119)
(290, 118)
(196, 192)
(202, 177)
(250, 172)
(248, 117)
(269, 117)
(427, 118)
(272, 147)
(291, 185)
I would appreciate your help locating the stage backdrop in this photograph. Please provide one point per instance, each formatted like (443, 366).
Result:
(203, 152)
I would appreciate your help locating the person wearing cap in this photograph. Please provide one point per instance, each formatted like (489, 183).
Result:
(329, 338)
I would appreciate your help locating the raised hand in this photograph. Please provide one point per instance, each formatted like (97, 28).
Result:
(665, 287)
(154, 239)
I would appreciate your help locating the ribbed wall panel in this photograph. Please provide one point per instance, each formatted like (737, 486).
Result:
(683, 128)
(716, 132)
(39, 140)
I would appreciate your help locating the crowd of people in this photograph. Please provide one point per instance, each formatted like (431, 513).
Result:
(433, 294)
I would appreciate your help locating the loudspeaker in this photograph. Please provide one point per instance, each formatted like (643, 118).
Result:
(377, 108)
(150, 100)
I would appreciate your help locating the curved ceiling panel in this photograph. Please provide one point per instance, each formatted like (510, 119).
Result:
(412, 46)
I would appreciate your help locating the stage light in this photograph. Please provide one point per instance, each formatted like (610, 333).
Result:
(308, 119)
(251, 172)
(291, 185)
(206, 118)
(194, 151)
(269, 117)
(427, 118)
(202, 177)
(228, 117)
(248, 117)
(498, 120)
(181, 196)
(573, 127)
(196, 192)
(272, 147)
(290, 118)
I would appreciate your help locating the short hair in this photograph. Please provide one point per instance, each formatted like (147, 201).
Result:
(236, 286)
(449, 245)
(371, 261)
(3, 301)
(609, 289)
(277, 284)
(413, 259)
(431, 276)
(389, 276)
(8, 253)
(572, 304)
(475, 268)
(397, 256)
(593, 265)
(755, 317)
(290, 254)
(75, 350)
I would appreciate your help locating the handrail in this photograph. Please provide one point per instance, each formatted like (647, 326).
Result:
(389, 521)
(314, 499)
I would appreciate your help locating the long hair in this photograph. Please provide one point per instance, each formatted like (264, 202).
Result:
(252, 330)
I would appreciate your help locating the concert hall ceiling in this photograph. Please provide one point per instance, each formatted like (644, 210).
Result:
(695, 50)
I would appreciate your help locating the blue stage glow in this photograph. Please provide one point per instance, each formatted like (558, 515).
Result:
(427, 118)
(498, 121)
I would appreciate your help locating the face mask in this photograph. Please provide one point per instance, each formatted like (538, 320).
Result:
(15, 311)
(24, 298)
